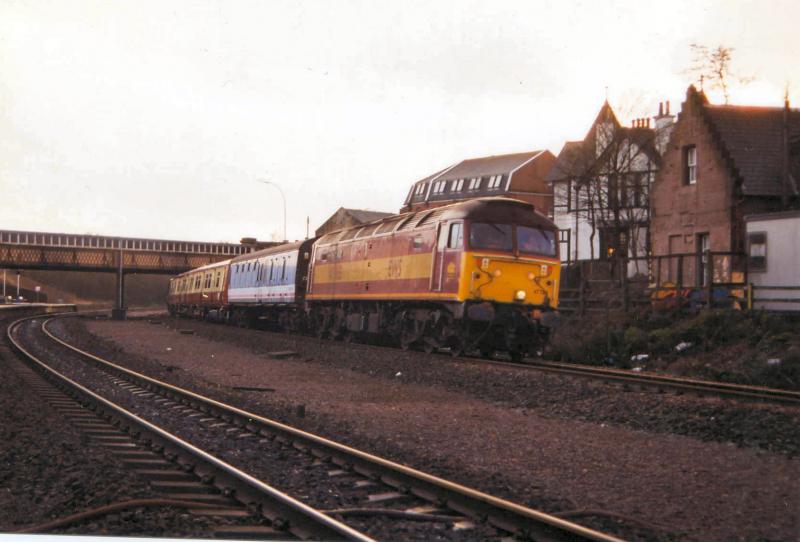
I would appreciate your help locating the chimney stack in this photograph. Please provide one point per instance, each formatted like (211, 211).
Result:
(663, 125)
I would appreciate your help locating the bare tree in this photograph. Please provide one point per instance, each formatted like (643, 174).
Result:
(606, 182)
(714, 66)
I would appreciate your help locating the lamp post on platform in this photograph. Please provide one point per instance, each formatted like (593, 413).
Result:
(285, 238)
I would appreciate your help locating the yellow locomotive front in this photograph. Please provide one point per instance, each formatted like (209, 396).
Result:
(510, 263)
(498, 257)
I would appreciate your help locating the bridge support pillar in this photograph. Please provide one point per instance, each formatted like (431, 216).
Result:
(120, 312)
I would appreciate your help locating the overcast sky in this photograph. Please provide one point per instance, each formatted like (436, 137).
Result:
(157, 119)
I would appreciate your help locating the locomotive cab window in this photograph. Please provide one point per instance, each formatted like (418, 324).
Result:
(536, 241)
(491, 236)
(456, 238)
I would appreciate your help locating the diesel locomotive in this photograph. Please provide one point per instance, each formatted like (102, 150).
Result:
(475, 275)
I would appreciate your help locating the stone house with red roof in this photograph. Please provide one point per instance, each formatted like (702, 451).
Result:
(519, 176)
(722, 162)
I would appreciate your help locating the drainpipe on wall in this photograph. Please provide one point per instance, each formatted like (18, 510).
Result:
(785, 153)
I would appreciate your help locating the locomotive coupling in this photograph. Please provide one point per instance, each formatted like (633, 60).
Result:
(481, 312)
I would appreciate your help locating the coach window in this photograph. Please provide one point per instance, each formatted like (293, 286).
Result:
(456, 239)
(283, 271)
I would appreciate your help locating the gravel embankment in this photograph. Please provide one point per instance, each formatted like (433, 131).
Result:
(688, 464)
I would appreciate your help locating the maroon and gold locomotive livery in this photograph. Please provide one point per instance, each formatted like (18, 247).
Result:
(480, 274)
(475, 274)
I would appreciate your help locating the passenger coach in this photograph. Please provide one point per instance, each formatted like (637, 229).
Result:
(269, 286)
(201, 292)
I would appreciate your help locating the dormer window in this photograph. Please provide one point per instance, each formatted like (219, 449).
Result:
(689, 165)
(438, 187)
(457, 185)
(494, 182)
(420, 189)
(474, 183)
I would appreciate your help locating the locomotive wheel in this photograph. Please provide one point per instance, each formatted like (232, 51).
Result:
(456, 347)
(486, 353)
(516, 355)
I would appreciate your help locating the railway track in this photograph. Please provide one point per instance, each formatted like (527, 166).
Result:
(377, 498)
(185, 472)
(626, 377)
(661, 382)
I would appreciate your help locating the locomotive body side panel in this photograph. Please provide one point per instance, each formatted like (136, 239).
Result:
(392, 267)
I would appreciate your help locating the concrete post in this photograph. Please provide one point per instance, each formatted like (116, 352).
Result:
(119, 312)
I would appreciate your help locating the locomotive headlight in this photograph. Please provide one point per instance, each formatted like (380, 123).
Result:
(545, 269)
(520, 295)
(497, 273)
(531, 276)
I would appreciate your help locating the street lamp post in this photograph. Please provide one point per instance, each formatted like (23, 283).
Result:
(285, 238)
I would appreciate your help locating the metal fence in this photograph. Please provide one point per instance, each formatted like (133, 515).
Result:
(718, 279)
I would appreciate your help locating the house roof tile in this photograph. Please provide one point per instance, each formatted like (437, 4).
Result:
(489, 165)
(753, 138)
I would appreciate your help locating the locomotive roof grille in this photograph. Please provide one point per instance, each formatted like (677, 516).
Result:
(495, 209)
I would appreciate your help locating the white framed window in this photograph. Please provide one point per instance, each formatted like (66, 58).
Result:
(438, 187)
(494, 182)
(690, 164)
(474, 183)
(420, 189)
(457, 185)
(757, 251)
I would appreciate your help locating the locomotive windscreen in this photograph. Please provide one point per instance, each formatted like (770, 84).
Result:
(529, 240)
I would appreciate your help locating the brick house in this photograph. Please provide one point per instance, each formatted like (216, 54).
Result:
(722, 162)
(601, 187)
(519, 176)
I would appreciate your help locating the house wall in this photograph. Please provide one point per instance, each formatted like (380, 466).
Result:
(680, 212)
(527, 183)
(783, 260)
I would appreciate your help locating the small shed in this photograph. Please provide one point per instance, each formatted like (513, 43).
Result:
(773, 247)
(344, 218)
